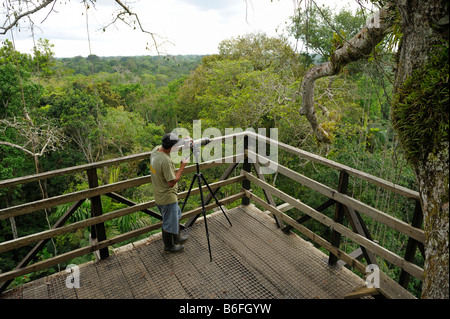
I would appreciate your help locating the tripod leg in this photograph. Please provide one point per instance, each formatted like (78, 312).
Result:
(204, 214)
(215, 198)
(189, 191)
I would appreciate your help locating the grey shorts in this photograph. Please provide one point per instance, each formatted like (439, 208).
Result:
(171, 214)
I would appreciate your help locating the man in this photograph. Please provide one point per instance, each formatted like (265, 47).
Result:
(164, 180)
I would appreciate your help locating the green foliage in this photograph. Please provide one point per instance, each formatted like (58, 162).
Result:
(162, 70)
(420, 112)
(116, 106)
(43, 58)
(126, 132)
(323, 31)
(244, 86)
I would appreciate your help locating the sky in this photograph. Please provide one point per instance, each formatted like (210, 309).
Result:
(181, 26)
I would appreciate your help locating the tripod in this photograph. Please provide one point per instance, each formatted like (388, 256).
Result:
(199, 177)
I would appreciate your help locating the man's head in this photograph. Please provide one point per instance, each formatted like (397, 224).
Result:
(169, 140)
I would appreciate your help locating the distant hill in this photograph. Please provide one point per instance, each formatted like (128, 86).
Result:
(171, 67)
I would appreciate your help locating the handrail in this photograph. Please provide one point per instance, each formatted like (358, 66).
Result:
(106, 243)
(25, 240)
(84, 167)
(304, 154)
(406, 192)
(88, 193)
(72, 170)
(374, 247)
(375, 214)
(246, 177)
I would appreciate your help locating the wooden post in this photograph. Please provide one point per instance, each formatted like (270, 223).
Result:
(412, 244)
(338, 215)
(98, 232)
(360, 228)
(247, 167)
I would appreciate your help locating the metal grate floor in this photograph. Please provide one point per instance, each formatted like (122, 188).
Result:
(252, 259)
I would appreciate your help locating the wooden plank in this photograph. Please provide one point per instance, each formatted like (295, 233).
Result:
(110, 162)
(247, 167)
(243, 272)
(412, 244)
(304, 218)
(388, 288)
(211, 275)
(72, 197)
(163, 278)
(112, 280)
(375, 248)
(57, 288)
(144, 277)
(36, 290)
(363, 291)
(128, 202)
(252, 260)
(352, 171)
(72, 170)
(25, 240)
(90, 287)
(275, 257)
(135, 157)
(100, 190)
(392, 290)
(365, 209)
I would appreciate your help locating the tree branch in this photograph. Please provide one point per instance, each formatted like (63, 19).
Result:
(18, 147)
(6, 27)
(127, 11)
(358, 47)
(125, 14)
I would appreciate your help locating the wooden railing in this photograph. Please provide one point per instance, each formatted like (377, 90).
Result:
(344, 206)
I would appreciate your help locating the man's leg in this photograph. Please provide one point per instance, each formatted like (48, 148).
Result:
(180, 237)
(170, 226)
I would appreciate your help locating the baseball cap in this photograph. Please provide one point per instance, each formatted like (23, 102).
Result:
(169, 140)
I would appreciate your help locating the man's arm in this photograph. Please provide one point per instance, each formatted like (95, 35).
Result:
(178, 173)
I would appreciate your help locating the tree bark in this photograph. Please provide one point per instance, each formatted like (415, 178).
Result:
(423, 26)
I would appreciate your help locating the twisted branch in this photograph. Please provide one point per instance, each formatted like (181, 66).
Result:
(358, 47)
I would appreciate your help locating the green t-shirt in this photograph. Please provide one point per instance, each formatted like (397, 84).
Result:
(162, 171)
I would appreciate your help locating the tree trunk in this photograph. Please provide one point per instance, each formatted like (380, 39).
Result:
(433, 183)
(425, 25)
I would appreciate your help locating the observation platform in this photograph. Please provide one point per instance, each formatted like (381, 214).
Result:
(251, 259)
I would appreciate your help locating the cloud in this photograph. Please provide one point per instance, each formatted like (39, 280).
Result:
(212, 5)
(183, 26)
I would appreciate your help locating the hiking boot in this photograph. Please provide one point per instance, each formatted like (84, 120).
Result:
(169, 246)
(181, 237)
